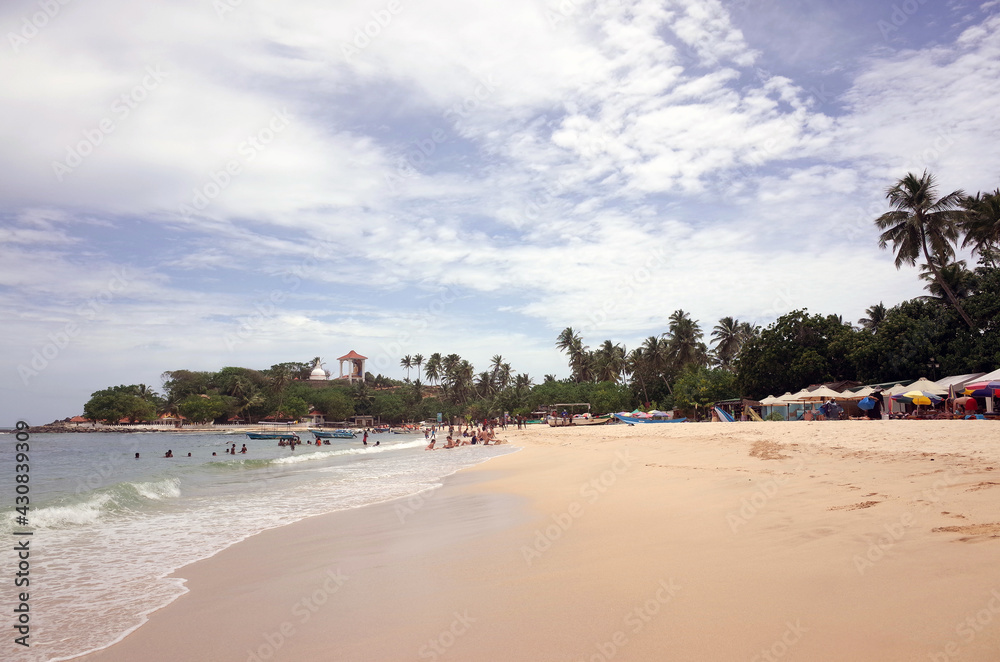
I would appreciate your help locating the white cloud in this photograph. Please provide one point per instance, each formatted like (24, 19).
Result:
(591, 163)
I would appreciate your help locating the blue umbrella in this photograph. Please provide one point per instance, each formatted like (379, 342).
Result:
(866, 403)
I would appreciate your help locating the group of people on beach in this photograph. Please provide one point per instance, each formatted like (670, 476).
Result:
(483, 435)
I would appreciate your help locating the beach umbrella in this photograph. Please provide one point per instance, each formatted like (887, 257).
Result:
(983, 389)
(866, 403)
(859, 394)
(927, 386)
(917, 398)
(821, 393)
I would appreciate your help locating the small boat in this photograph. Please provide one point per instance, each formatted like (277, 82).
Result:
(333, 434)
(632, 420)
(273, 435)
(555, 420)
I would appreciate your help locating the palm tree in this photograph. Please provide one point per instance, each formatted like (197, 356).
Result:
(684, 346)
(728, 337)
(954, 274)
(433, 367)
(920, 222)
(407, 362)
(580, 359)
(418, 360)
(982, 222)
(609, 360)
(450, 363)
(636, 363)
(504, 376)
(495, 364)
(876, 315)
(280, 377)
(145, 392)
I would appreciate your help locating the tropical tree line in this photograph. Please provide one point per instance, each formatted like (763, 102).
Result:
(953, 329)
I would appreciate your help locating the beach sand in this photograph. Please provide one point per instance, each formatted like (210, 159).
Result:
(854, 541)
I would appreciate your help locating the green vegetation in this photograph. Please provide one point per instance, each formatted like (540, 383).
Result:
(954, 329)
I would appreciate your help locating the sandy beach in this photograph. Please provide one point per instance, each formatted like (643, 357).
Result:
(854, 540)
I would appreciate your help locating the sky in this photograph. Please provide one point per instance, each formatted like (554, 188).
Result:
(198, 184)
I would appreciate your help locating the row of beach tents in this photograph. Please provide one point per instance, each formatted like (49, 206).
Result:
(899, 394)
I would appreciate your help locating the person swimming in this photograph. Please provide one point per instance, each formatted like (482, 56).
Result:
(169, 454)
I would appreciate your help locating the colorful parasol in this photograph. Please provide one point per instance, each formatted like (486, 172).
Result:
(983, 389)
(917, 398)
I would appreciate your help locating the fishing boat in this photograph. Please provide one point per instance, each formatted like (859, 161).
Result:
(333, 434)
(273, 435)
(555, 419)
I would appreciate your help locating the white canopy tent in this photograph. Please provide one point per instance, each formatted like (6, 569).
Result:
(924, 384)
(821, 393)
(859, 394)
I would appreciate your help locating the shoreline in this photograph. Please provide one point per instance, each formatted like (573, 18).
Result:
(831, 540)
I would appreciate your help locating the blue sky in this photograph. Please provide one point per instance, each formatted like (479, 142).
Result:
(199, 184)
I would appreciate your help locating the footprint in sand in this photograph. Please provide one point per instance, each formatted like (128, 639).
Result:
(972, 532)
(856, 506)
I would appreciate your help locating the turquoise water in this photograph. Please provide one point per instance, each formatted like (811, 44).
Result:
(108, 528)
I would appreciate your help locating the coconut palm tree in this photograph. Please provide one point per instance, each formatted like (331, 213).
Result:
(433, 367)
(954, 274)
(580, 359)
(728, 337)
(609, 360)
(418, 360)
(407, 362)
(637, 364)
(684, 346)
(921, 223)
(875, 316)
(981, 224)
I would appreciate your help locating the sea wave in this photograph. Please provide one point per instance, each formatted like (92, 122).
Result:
(101, 504)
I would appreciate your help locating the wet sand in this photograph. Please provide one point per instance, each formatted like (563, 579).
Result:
(855, 540)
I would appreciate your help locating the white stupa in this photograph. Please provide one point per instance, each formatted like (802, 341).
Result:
(318, 374)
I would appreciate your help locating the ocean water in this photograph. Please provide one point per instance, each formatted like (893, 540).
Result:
(108, 528)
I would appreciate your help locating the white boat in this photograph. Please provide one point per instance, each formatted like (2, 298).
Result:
(557, 419)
